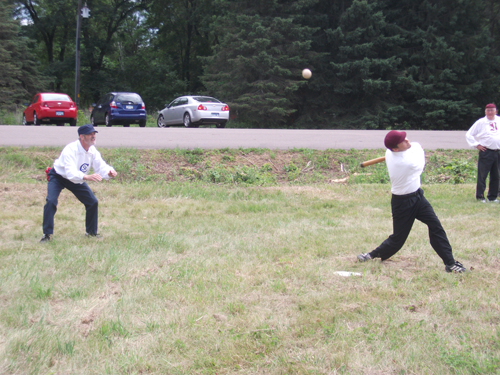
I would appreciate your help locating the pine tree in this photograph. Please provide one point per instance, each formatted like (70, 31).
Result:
(451, 71)
(256, 67)
(366, 64)
(19, 78)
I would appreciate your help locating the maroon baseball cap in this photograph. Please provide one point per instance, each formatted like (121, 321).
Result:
(491, 105)
(394, 138)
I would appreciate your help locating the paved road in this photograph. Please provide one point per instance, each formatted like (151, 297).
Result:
(212, 138)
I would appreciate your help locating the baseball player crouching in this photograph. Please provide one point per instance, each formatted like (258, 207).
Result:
(70, 172)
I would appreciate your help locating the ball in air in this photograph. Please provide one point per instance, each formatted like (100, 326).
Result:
(306, 73)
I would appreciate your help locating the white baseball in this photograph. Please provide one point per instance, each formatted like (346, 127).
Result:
(306, 73)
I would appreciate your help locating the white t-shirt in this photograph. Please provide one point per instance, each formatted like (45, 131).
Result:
(74, 163)
(485, 132)
(405, 168)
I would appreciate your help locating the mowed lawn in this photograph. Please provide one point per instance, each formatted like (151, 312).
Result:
(199, 278)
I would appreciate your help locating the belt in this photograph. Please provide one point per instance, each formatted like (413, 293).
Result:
(492, 149)
(404, 196)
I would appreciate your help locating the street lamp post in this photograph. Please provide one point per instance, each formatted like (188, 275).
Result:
(85, 13)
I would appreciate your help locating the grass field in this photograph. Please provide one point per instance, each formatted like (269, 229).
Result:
(237, 275)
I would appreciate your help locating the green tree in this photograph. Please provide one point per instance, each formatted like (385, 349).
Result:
(52, 25)
(182, 32)
(450, 70)
(141, 67)
(365, 62)
(19, 77)
(257, 63)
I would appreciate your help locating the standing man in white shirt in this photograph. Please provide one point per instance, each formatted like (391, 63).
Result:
(485, 136)
(405, 163)
(70, 172)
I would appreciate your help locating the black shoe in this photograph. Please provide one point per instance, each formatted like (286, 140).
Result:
(457, 267)
(95, 235)
(364, 257)
(45, 238)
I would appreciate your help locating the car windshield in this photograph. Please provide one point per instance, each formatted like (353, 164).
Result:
(56, 97)
(206, 99)
(134, 98)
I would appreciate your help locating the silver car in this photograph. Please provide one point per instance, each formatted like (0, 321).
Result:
(193, 111)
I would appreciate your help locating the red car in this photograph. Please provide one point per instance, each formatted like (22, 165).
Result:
(50, 108)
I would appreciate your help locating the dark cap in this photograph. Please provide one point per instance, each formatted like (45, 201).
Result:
(86, 129)
(491, 105)
(394, 138)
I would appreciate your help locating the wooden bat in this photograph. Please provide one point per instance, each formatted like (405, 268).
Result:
(373, 161)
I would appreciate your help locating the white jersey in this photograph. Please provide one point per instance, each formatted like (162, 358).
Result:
(74, 163)
(405, 168)
(485, 132)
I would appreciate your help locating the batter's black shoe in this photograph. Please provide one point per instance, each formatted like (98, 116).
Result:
(93, 235)
(457, 267)
(45, 238)
(364, 257)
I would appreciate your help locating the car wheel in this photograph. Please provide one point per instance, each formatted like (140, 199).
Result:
(107, 120)
(161, 122)
(72, 122)
(187, 120)
(142, 124)
(36, 121)
(25, 123)
(92, 121)
(221, 125)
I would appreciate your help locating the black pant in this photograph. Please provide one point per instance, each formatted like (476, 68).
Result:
(487, 163)
(405, 209)
(82, 191)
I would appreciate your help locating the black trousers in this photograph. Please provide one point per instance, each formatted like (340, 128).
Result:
(487, 163)
(82, 191)
(405, 209)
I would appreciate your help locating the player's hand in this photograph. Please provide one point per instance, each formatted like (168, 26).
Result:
(481, 148)
(96, 177)
(112, 173)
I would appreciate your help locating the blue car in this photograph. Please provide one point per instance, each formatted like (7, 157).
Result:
(119, 108)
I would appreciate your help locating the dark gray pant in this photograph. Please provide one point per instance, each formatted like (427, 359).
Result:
(405, 209)
(82, 191)
(487, 163)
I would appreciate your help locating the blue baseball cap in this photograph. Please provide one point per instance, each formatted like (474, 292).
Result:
(86, 129)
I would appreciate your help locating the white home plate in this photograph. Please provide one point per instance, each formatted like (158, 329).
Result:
(347, 274)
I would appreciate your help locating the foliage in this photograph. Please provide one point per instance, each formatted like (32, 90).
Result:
(18, 74)
(377, 64)
(262, 49)
(366, 63)
(258, 167)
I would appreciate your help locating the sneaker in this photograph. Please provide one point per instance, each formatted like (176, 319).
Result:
(364, 257)
(94, 235)
(494, 201)
(45, 238)
(481, 200)
(457, 267)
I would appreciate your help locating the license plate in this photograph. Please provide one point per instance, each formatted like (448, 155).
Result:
(129, 107)
(59, 113)
(215, 114)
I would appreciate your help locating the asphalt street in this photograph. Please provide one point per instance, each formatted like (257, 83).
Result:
(213, 138)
